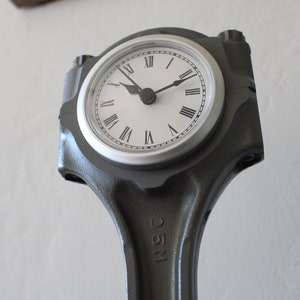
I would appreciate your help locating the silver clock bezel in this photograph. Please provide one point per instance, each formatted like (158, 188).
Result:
(170, 152)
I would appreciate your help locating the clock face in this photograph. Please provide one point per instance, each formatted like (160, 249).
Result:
(150, 100)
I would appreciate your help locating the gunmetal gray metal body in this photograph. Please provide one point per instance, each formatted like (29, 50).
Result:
(160, 213)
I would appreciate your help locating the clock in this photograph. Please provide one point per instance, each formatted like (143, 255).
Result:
(150, 100)
(157, 125)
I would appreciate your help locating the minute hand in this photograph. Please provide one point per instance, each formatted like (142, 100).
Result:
(175, 83)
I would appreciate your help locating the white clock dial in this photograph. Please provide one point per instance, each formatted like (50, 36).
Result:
(150, 100)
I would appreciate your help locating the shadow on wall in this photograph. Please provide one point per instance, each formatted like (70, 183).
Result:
(21, 3)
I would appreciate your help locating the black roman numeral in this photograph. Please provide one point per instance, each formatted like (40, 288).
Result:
(129, 69)
(149, 61)
(188, 72)
(168, 65)
(107, 103)
(148, 137)
(190, 92)
(172, 130)
(187, 112)
(125, 136)
(111, 121)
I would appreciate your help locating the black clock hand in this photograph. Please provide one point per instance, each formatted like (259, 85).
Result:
(128, 77)
(175, 83)
(146, 95)
(132, 89)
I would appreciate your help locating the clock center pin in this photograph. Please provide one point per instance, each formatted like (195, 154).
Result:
(147, 96)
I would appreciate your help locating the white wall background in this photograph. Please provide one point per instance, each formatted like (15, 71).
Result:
(56, 239)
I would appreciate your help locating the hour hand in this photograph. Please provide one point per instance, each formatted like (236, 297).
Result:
(132, 89)
(129, 78)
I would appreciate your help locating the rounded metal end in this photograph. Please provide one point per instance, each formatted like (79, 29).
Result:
(148, 96)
